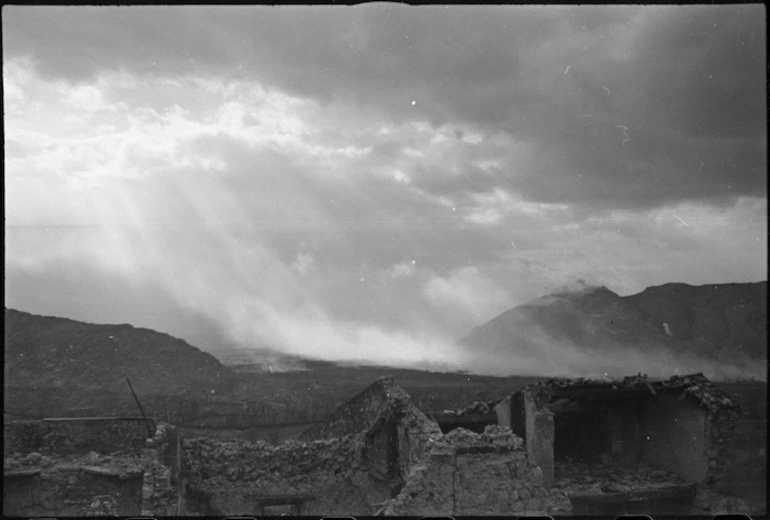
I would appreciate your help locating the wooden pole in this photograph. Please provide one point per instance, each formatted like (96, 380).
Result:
(149, 428)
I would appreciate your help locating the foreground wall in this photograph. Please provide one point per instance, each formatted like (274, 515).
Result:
(329, 477)
(49, 473)
(465, 473)
(70, 491)
(77, 435)
(398, 464)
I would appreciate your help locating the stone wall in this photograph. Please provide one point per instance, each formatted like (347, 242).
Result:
(228, 478)
(119, 476)
(674, 436)
(464, 473)
(161, 490)
(540, 433)
(402, 466)
(359, 413)
(415, 435)
(350, 464)
(73, 491)
(63, 436)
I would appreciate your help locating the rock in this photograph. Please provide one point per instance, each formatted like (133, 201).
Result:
(537, 475)
(103, 505)
(92, 458)
(610, 488)
(33, 458)
(100, 470)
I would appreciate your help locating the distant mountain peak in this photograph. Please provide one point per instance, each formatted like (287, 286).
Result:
(710, 327)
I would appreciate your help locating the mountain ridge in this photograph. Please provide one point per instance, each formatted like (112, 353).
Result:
(713, 323)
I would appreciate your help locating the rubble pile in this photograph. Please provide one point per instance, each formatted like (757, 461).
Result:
(477, 407)
(115, 464)
(703, 390)
(711, 502)
(103, 505)
(695, 385)
(581, 478)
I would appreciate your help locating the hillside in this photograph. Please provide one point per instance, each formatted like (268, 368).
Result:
(58, 367)
(725, 319)
(67, 354)
(700, 326)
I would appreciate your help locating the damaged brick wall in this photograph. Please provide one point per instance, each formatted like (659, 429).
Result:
(227, 478)
(463, 473)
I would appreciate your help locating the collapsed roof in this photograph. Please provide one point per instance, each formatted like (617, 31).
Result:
(695, 386)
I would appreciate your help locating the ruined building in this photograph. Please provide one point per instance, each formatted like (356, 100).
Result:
(91, 466)
(377, 454)
(627, 446)
(563, 446)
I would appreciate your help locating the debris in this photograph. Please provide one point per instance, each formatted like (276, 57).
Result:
(92, 458)
(103, 505)
(33, 458)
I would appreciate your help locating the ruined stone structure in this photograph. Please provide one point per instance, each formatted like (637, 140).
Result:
(375, 454)
(662, 441)
(96, 466)
(558, 447)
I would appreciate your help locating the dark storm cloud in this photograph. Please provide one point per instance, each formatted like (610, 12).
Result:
(706, 69)
(628, 107)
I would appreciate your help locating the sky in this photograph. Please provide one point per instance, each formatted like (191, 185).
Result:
(372, 182)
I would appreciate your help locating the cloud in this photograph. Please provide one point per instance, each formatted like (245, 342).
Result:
(303, 264)
(401, 270)
(465, 294)
(686, 82)
(331, 170)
